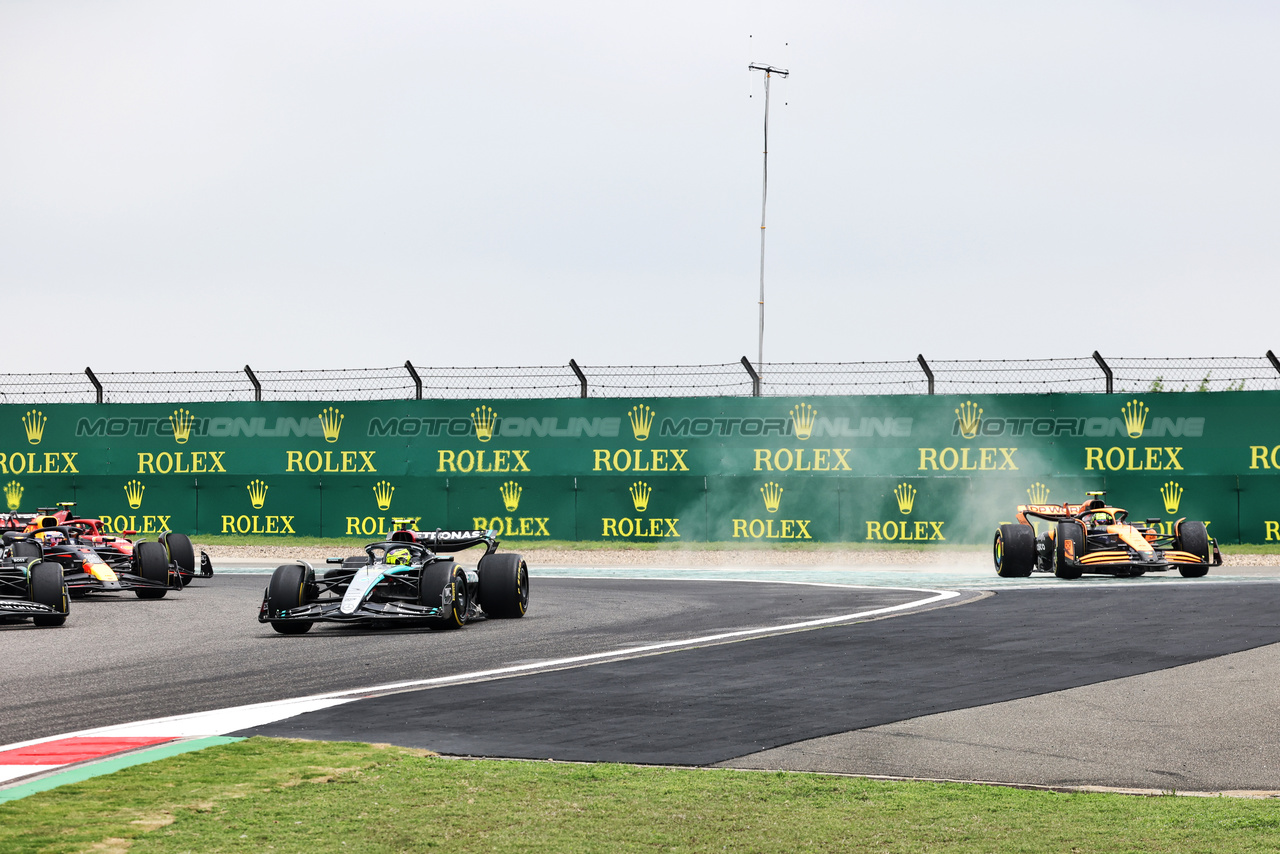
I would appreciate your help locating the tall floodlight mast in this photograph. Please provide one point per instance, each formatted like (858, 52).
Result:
(769, 71)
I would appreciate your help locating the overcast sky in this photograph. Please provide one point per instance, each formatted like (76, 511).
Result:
(198, 185)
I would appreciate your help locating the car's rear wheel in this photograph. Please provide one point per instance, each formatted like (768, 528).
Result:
(288, 590)
(437, 578)
(1014, 551)
(504, 585)
(151, 562)
(1193, 537)
(1070, 549)
(47, 587)
(182, 553)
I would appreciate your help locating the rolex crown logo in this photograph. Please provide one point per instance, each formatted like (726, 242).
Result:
(1135, 417)
(1038, 493)
(906, 495)
(640, 493)
(33, 422)
(133, 491)
(484, 418)
(803, 416)
(257, 493)
(641, 420)
(13, 494)
(382, 491)
(772, 496)
(1172, 495)
(331, 423)
(510, 495)
(181, 420)
(969, 416)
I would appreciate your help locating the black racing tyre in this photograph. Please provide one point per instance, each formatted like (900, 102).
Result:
(288, 589)
(435, 579)
(151, 561)
(504, 585)
(1193, 537)
(1014, 551)
(181, 552)
(1063, 564)
(47, 587)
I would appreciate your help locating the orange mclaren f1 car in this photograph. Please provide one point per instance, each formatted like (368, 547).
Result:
(1096, 538)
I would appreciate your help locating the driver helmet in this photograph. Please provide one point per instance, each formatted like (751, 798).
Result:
(1101, 519)
(53, 538)
(398, 557)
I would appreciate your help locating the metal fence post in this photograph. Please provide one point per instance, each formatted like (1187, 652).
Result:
(1275, 363)
(755, 378)
(98, 386)
(928, 373)
(417, 380)
(1106, 370)
(582, 378)
(257, 386)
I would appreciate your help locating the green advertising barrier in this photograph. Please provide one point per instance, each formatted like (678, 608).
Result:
(875, 469)
(528, 508)
(1259, 508)
(128, 504)
(669, 509)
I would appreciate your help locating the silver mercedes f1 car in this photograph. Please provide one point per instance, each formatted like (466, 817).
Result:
(410, 578)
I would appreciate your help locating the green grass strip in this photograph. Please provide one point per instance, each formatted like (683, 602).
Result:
(81, 773)
(288, 796)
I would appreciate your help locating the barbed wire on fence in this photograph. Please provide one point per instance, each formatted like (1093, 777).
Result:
(1092, 374)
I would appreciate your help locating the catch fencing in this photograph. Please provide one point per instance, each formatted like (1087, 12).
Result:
(1087, 374)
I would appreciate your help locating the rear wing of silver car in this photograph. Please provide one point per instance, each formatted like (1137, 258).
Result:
(448, 541)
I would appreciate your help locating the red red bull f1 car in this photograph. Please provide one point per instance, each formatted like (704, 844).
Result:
(61, 527)
(409, 578)
(1096, 538)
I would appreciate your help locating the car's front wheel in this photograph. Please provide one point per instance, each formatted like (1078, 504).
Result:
(1193, 538)
(288, 590)
(182, 553)
(1070, 549)
(444, 585)
(47, 587)
(151, 561)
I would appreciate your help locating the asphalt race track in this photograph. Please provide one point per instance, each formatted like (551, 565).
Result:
(709, 705)
(1166, 685)
(121, 659)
